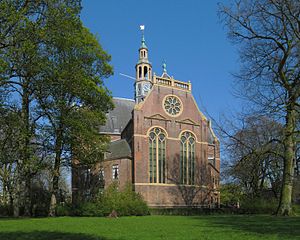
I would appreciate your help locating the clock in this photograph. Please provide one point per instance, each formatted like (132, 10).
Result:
(146, 87)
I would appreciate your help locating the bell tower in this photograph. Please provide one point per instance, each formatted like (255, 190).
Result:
(143, 68)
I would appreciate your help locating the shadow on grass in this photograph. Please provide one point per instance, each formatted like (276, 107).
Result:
(45, 235)
(282, 226)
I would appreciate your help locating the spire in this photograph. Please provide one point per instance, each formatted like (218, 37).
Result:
(143, 45)
(164, 66)
(143, 69)
(165, 74)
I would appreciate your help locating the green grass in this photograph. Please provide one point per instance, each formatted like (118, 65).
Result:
(221, 227)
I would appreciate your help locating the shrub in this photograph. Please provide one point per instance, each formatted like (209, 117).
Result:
(64, 210)
(5, 210)
(125, 203)
(91, 209)
(259, 205)
(296, 209)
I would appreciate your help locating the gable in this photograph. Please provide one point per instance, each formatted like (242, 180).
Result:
(153, 106)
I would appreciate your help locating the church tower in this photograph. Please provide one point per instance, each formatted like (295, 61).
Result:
(143, 82)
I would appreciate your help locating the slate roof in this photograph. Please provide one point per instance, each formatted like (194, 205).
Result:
(118, 149)
(118, 118)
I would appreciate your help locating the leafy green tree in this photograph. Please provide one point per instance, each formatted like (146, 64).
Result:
(9, 153)
(231, 194)
(70, 92)
(53, 68)
(20, 64)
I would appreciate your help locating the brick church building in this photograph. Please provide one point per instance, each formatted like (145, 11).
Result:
(161, 143)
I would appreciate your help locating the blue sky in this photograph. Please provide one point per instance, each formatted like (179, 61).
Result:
(186, 33)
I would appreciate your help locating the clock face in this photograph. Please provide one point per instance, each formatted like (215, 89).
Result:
(146, 87)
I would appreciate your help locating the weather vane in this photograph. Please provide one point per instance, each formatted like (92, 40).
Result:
(164, 66)
(142, 28)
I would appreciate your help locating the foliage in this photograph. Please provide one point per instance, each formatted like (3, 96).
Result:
(231, 194)
(190, 211)
(51, 71)
(64, 210)
(296, 190)
(5, 210)
(233, 197)
(259, 205)
(296, 208)
(125, 202)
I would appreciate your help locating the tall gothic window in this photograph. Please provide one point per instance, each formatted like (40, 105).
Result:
(187, 158)
(157, 155)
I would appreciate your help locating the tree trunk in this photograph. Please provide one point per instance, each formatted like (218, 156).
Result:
(16, 202)
(27, 197)
(26, 151)
(285, 202)
(56, 172)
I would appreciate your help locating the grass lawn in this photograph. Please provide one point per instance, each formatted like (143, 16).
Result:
(221, 227)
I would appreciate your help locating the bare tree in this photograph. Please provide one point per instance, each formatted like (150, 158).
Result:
(268, 33)
(255, 153)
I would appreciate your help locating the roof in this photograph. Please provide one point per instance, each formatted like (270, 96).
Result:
(118, 118)
(165, 75)
(118, 149)
(143, 45)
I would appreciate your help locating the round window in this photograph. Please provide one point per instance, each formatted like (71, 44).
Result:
(172, 105)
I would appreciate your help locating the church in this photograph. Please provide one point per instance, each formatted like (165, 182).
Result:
(161, 143)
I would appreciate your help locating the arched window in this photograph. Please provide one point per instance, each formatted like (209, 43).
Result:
(157, 155)
(145, 72)
(187, 158)
(140, 72)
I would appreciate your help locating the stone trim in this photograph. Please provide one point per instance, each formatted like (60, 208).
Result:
(169, 185)
(169, 138)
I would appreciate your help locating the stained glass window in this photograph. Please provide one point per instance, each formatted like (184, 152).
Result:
(157, 155)
(172, 105)
(187, 158)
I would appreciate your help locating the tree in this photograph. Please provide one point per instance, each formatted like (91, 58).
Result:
(20, 63)
(231, 194)
(52, 68)
(9, 153)
(255, 154)
(70, 92)
(268, 34)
